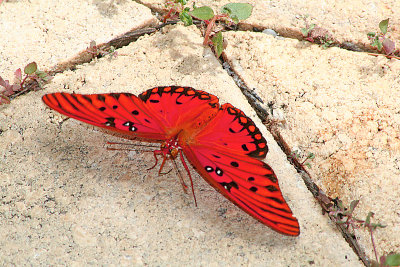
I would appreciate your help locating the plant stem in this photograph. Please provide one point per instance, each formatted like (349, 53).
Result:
(388, 56)
(23, 81)
(373, 243)
(210, 26)
(168, 14)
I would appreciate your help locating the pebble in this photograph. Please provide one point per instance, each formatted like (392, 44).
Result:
(270, 32)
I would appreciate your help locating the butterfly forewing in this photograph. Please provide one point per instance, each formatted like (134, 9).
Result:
(181, 108)
(120, 112)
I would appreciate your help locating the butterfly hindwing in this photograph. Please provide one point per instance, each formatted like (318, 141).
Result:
(225, 153)
(231, 130)
(249, 183)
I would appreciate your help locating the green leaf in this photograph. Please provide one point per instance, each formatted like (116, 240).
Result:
(304, 31)
(340, 204)
(371, 34)
(368, 219)
(383, 25)
(186, 18)
(42, 75)
(218, 42)
(378, 44)
(235, 19)
(203, 13)
(393, 260)
(30, 68)
(353, 205)
(241, 10)
(376, 225)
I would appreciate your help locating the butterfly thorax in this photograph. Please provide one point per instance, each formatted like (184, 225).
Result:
(170, 148)
(187, 131)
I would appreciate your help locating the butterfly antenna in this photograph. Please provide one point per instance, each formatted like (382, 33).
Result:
(190, 176)
(130, 144)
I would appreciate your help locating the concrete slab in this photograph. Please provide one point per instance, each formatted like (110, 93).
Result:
(50, 32)
(342, 106)
(66, 200)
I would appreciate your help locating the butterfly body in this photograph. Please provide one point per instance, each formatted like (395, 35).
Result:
(220, 141)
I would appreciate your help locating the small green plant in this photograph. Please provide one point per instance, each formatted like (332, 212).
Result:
(305, 31)
(296, 155)
(381, 42)
(32, 73)
(318, 35)
(345, 216)
(95, 51)
(230, 14)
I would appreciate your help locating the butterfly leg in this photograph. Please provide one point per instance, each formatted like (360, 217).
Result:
(162, 165)
(190, 177)
(155, 153)
(184, 186)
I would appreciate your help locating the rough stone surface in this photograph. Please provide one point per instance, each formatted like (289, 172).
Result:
(49, 32)
(67, 200)
(343, 107)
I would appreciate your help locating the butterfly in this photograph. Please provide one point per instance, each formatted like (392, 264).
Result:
(220, 141)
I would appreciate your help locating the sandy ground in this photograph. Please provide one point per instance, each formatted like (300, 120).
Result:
(67, 200)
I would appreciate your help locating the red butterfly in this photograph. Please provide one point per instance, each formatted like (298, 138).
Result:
(221, 142)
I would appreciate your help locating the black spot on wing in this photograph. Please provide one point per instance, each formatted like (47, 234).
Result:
(272, 177)
(253, 189)
(110, 122)
(87, 98)
(116, 96)
(271, 188)
(209, 169)
(228, 186)
(234, 164)
(102, 98)
(277, 200)
(218, 171)
(131, 126)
